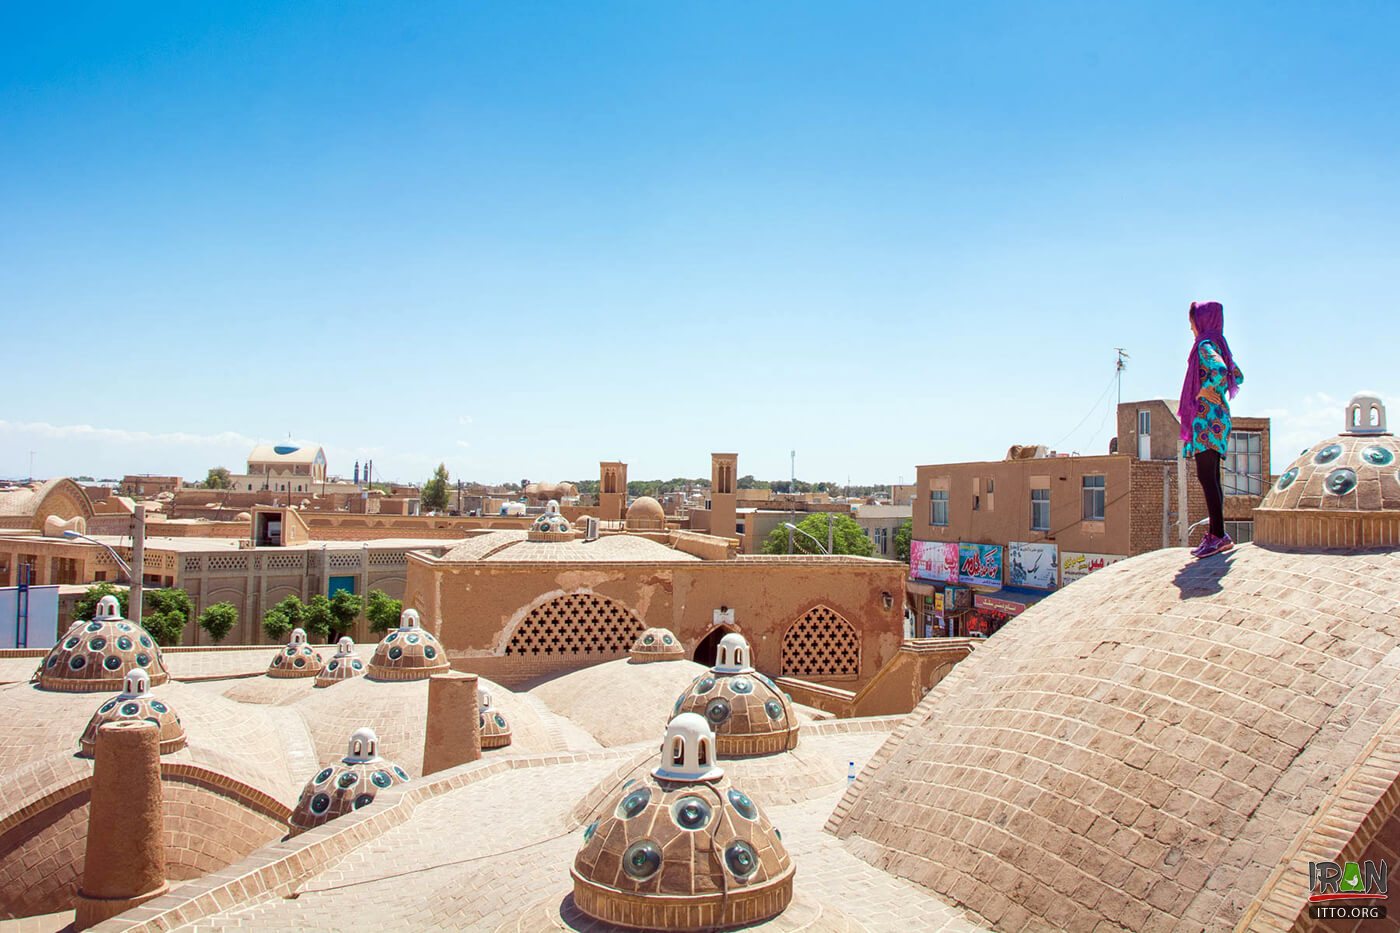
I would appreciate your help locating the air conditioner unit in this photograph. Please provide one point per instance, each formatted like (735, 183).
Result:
(590, 528)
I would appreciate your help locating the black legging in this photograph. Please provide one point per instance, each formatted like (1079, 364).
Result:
(1208, 472)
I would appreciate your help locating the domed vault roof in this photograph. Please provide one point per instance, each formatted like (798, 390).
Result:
(346, 785)
(97, 655)
(678, 847)
(645, 514)
(409, 652)
(343, 665)
(656, 644)
(748, 712)
(135, 702)
(296, 659)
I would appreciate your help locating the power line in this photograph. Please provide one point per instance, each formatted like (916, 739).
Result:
(1090, 413)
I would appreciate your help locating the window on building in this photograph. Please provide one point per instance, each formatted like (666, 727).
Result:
(1240, 532)
(1144, 422)
(1040, 510)
(938, 507)
(1244, 464)
(881, 537)
(1094, 489)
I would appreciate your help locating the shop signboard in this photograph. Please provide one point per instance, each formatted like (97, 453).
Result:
(956, 598)
(935, 561)
(1076, 566)
(979, 565)
(1033, 565)
(1008, 606)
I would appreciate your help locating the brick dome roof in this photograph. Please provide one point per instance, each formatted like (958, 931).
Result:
(748, 712)
(409, 652)
(491, 722)
(296, 659)
(97, 655)
(1166, 743)
(1340, 492)
(656, 644)
(347, 784)
(645, 514)
(135, 702)
(343, 665)
(678, 847)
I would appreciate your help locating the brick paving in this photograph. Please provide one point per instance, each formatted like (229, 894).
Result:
(480, 856)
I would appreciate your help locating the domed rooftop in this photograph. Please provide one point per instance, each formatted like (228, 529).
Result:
(679, 848)
(409, 652)
(343, 665)
(297, 659)
(495, 731)
(1165, 744)
(346, 785)
(645, 514)
(98, 655)
(657, 644)
(551, 525)
(748, 712)
(1341, 492)
(135, 702)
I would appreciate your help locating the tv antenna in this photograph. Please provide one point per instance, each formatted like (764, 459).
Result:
(1118, 370)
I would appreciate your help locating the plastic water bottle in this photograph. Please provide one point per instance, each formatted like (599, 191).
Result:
(850, 773)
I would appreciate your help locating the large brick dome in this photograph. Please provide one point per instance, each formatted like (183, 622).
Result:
(1165, 744)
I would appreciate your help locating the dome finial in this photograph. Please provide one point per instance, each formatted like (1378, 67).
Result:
(1365, 415)
(688, 753)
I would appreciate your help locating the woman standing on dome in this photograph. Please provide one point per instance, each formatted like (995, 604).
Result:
(1212, 379)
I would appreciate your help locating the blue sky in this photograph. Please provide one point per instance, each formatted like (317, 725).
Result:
(523, 238)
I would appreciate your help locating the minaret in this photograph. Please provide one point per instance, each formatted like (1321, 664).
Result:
(723, 520)
(612, 490)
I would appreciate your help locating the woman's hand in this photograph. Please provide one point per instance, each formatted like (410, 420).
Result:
(1211, 395)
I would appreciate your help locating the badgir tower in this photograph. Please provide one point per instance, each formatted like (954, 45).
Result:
(1169, 744)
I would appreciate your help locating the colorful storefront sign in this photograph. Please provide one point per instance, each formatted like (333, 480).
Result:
(936, 561)
(1034, 565)
(979, 565)
(1076, 566)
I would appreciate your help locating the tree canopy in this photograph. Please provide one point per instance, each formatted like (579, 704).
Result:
(847, 537)
(86, 606)
(345, 607)
(167, 611)
(218, 478)
(218, 620)
(902, 536)
(434, 494)
(319, 617)
(382, 610)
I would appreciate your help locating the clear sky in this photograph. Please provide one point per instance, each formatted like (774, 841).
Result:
(522, 238)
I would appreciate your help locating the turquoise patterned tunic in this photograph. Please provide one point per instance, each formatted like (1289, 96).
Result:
(1210, 429)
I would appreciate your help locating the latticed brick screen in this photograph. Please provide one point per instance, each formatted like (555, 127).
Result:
(821, 644)
(580, 623)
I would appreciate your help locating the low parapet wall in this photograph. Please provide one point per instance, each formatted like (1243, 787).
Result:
(917, 666)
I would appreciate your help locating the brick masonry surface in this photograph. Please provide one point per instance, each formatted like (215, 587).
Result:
(1147, 749)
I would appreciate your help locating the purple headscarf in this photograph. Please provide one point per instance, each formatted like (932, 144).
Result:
(1210, 325)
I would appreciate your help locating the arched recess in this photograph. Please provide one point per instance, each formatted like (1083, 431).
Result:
(705, 649)
(821, 644)
(583, 624)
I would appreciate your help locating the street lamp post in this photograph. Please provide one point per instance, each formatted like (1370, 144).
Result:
(133, 570)
(791, 528)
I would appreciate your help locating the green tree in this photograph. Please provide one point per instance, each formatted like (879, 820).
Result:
(902, 536)
(318, 617)
(345, 606)
(218, 620)
(276, 625)
(847, 537)
(288, 614)
(434, 494)
(86, 606)
(217, 478)
(166, 613)
(382, 610)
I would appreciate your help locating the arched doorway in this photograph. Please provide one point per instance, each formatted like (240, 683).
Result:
(709, 645)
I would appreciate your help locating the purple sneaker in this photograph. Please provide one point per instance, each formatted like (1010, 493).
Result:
(1213, 545)
(1206, 540)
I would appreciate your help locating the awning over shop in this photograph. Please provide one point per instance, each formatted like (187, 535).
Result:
(914, 588)
(1010, 600)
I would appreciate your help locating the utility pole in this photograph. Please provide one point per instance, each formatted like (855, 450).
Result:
(1118, 374)
(138, 563)
(31, 466)
(829, 522)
